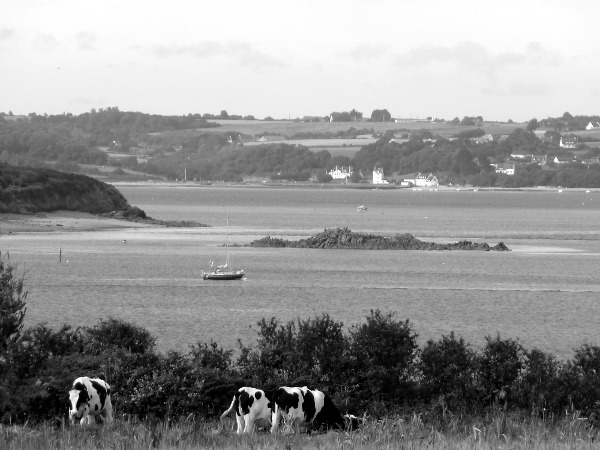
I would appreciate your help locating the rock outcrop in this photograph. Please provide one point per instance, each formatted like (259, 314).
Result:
(344, 238)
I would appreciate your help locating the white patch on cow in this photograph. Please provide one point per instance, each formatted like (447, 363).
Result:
(91, 403)
(259, 413)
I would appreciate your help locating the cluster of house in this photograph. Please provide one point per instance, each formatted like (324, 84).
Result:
(421, 180)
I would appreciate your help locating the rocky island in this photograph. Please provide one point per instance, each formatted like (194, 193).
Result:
(343, 238)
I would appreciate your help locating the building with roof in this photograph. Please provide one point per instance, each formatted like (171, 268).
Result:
(421, 180)
(506, 169)
(341, 173)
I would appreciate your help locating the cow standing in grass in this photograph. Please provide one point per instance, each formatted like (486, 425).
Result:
(252, 407)
(301, 406)
(90, 397)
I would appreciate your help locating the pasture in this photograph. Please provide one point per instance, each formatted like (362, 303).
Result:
(499, 430)
(290, 127)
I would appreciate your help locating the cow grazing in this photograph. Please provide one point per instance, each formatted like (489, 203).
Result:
(252, 407)
(90, 397)
(310, 407)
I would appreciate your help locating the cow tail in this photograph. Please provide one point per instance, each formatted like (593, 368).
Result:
(234, 405)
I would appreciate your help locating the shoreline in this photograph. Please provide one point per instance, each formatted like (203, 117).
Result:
(365, 186)
(60, 221)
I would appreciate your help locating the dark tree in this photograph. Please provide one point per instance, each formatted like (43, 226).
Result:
(532, 124)
(381, 115)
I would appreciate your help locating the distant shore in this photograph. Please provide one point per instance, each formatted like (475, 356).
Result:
(310, 185)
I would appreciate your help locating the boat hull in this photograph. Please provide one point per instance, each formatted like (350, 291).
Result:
(223, 276)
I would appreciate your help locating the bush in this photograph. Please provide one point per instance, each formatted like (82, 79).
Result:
(118, 333)
(449, 368)
(538, 386)
(500, 366)
(383, 352)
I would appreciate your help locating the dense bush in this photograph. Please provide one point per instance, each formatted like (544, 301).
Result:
(449, 369)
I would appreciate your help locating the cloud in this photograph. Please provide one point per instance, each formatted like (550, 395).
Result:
(6, 34)
(530, 89)
(475, 57)
(45, 42)
(85, 40)
(365, 51)
(244, 53)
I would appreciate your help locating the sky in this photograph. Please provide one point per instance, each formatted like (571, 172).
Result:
(286, 59)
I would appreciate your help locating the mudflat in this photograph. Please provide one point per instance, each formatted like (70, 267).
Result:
(61, 221)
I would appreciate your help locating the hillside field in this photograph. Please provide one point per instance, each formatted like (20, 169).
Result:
(290, 127)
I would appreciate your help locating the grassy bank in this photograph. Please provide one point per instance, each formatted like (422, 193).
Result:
(497, 431)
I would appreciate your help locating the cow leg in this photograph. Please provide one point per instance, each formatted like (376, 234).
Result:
(240, 423)
(249, 425)
(276, 417)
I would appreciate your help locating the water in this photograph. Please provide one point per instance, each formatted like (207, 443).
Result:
(545, 292)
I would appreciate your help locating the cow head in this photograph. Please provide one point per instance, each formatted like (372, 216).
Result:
(78, 398)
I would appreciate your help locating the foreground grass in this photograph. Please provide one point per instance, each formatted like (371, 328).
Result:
(499, 431)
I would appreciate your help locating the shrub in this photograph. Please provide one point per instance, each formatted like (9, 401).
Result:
(539, 383)
(585, 376)
(500, 366)
(113, 332)
(448, 368)
(383, 352)
(211, 356)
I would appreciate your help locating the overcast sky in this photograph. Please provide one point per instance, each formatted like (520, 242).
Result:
(499, 59)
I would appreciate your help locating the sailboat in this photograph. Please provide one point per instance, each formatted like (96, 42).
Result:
(224, 272)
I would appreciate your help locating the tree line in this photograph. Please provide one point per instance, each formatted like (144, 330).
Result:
(375, 367)
(173, 145)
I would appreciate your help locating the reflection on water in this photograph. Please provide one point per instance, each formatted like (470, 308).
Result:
(545, 292)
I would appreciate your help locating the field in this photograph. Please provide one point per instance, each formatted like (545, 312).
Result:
(498, 431)
(289, 128)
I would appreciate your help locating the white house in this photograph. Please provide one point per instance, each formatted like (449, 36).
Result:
(483, 139)
(378, 176)
(421, 180)
(568, 142)
(506, 169)
(563, 159)
(592, 125)
(426, 180)
(341, 173)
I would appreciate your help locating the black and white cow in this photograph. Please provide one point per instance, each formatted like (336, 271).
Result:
(252, 407)
(312, 408)
(90, 397)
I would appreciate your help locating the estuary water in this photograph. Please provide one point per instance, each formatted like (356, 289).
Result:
(545, 292)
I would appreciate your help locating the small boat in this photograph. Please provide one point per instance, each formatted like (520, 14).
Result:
(224, 272)
(361, 208)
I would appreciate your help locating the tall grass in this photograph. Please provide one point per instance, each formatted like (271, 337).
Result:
(500, 430)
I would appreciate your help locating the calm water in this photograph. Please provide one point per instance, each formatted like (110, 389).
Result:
(545, 292)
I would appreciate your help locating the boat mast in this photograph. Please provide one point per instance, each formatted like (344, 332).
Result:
(227, 243)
